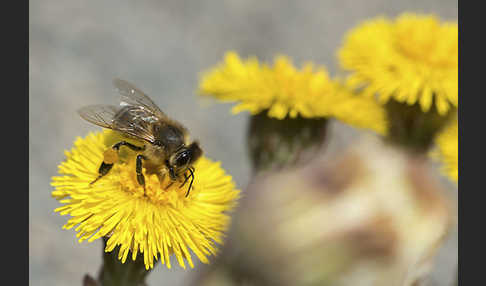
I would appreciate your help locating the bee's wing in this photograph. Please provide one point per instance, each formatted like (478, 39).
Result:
(129, 120)
(132, 96)
(101, 115)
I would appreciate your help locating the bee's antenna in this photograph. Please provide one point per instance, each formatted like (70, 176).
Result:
(192, 180)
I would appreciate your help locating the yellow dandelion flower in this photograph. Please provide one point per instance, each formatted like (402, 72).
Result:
(447, 142)
(283, 90)
(161, 222)
(413, 59)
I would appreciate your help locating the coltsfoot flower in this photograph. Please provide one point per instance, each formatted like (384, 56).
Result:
(283, 91)
(413, 59)
(447, 142)
(157, 221)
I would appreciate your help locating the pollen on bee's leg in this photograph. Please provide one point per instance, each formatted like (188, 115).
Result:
(110, 156)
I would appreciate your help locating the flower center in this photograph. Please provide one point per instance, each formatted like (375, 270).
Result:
(159, 188)
(425, 40)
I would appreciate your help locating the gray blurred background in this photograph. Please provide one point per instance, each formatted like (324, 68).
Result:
(78, 47)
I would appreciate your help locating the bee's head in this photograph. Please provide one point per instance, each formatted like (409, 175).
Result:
(184, 158)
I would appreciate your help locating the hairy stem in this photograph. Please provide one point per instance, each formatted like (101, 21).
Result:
(413, 129)
(275, 143)
(115, 273)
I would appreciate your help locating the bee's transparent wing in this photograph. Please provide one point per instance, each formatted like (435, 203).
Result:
(129, 120)
(101, 115)
(132, 96)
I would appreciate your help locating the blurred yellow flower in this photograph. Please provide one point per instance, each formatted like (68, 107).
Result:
(447, 142)
(283, 90)
(163, 221)
(411, 59)
(357, 111)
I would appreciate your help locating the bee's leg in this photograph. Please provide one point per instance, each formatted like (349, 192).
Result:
(103, 170)
(172, 175)
(192, 180)
(138, 169)
(111, 156)
(129, 145)
(168, 186)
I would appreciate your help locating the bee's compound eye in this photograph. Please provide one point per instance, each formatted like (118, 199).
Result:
(183, 158)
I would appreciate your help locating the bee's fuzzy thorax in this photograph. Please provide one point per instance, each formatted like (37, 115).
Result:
(154, 156)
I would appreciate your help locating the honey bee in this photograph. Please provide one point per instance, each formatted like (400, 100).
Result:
(166, 147)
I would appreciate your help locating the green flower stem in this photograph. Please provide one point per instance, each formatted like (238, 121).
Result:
(115, 273)
(413, 129)
(275, 143)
